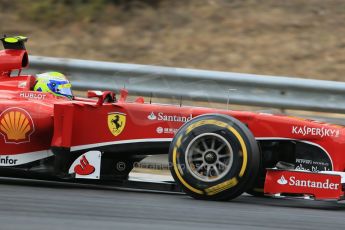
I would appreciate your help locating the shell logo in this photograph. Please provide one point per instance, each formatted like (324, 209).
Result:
(16, 125)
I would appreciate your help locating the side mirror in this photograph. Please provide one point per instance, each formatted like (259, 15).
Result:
(106, 96)
(123, 95)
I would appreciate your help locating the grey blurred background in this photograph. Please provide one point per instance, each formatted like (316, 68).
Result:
(274, 37)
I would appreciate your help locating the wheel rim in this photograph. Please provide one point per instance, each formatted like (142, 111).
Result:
(209, 157)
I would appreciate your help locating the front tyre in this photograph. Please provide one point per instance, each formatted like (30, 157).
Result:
(214, 157)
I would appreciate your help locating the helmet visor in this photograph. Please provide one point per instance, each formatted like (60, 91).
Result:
(65, 89)
(62, 88)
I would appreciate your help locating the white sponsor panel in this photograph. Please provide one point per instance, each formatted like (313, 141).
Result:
(24, 158)
(87, 166)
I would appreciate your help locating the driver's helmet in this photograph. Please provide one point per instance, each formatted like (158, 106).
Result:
(55, 83)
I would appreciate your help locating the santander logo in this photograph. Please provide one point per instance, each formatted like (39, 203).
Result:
(282, 181)
(295, 182)
(160, 116)
(152, 116)
(84, 168)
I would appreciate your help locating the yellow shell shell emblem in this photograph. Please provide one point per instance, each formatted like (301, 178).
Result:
(16, 125)
(116, 123)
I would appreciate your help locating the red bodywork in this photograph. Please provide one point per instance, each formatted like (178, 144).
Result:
(36, 126)
(319, 185)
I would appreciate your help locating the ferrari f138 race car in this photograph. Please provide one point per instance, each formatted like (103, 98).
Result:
(213, 154)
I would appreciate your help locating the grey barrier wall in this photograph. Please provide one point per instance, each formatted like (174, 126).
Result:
(199, 85)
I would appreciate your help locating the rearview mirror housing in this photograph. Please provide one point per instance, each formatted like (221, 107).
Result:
(103, 97)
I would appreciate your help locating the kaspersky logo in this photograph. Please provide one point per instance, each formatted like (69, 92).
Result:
(282, 181)
(16, 125)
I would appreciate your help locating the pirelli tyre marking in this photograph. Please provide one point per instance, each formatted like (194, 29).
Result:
(221, 187)
(205, 122)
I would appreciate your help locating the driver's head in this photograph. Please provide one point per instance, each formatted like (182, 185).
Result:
(55, 83)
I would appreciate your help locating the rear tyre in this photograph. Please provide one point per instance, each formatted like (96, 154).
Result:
(214, 157)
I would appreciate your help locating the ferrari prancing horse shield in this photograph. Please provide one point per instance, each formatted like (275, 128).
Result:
(116, 123)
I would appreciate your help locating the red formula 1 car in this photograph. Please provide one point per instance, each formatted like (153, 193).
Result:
(213, 154)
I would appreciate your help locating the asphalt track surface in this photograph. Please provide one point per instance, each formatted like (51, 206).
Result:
(27, 204)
